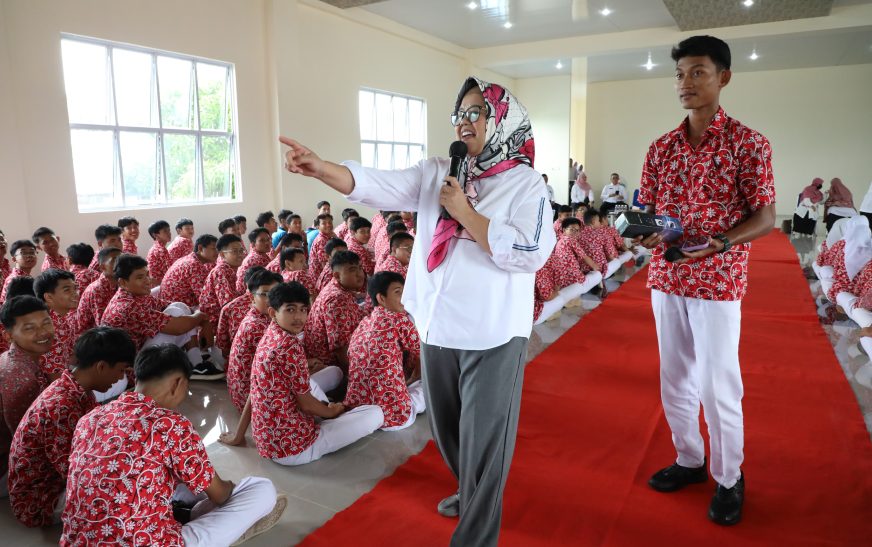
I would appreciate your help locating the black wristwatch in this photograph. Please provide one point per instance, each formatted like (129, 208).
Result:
(723, 239)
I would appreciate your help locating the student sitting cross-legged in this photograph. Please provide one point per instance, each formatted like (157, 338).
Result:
(57, 288)
(23, 254)
(129, 234)
(48, 242)
(131, 458)
(283, 404)
(294, 268)
(258, 255)
(326, 276)
(289, 240)
(183, 244)
(377, 352)
(357, 238)
(20, 286)
(107, 236)
(220, 285)
(96, 296)
(80, 255)
(158, 256)
(317, 255)
(40, 452)
(184, 281)
(232, 314)
(400, 255)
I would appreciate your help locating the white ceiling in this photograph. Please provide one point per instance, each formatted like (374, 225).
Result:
(539, 20)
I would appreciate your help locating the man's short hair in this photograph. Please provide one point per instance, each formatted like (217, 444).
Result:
(359, 222)
(263, 218)
(240, 218)
(124, 222)
(569, 221)
(564, 209)
(589, 215)
(20, 244)
(398, 238)
(127, 264)
(19, 306)
(321, 217)
(19, 286)
(226, 224)
(80, 254)
(252, 235)
(290, 253)
(379, 284)
(41, 231)
(322, 203)
(155, 228)
(294, 216)
(577, 206)
(204, 241)
(48, 281)
(104, 344)
(342, 258)
(286, 239)
(106, 254)
(704, 46)
(161, 360)
(225, 241)
(387, 214)
(249, 273)
(348, 212)
(397, 226)
(332, 244)
(393, 217)
(260, 278)
(105, 230)
(183, 222)
(284, 214)
(288, 293)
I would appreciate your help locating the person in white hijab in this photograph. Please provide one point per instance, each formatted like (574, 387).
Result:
(858, 258)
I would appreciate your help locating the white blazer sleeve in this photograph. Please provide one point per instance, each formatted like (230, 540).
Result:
(398, 190)
(521, 241)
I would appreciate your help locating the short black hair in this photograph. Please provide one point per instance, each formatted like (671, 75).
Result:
(564, 209)
(569, 221)
(284, 214)
(19, 286)
(357, 223)
(589, 215)
(289, 254)
(393, 217)
(48, 281)
(290, 237)
(161, 360)
(260, 278)
(380, 282)
(249, 273)
(183, 222)
(398, 238)
(293, 216)
(348, 212)
(204, 241)
(578, 206)
(124, 222)
(263, 218)
(17, 307)
(240, 218)
(106, 254)
(321, 217)
(80, 254)
(322, 203)
(41, 231)
(396, 226)
(225, 241)
(105, 230)
(18, 244)
(225, 224)
(386, 214)
(127, 264)
(252, 235)
(104, 344)
(343, 257)
(155, 227)
(704, 46)
(288, 293)
(332, 244)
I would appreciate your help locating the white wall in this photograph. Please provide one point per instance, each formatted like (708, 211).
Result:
(818, 120)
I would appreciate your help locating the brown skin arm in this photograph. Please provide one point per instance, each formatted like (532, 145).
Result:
(310, 405)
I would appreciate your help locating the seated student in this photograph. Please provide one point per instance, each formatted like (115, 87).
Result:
(294, 262)
(357, 238)
(79, 256)
(379, 223)
(5, 268)
(570, 241)
(323, 207)
(400, 255)
(593, 241)
(183, 244)
(622, 252)
(848, 257)
(855, 297)
(261, 245)
(20, 286)
(231, 316)
(295, 226)
(24, 259)
(129, 234)
(333, 246)
(158, 256)
(335, 313)
(282, 228)
(564, 211)
(409, 220)
(27, 323)
(267, 220)
(381, 246)
(220, 285)
(184, 281)
(57, 288)
(40, 451)
(284, 401)
(106, 236)
(317, 256)
(170, 463)
(95, 298)
(288, 241)
(376, 355)
(248, 335)
(49, 243)
(227, 226)
(578, 211)
(347, 214)
(241, 226)
(569, 260)
(545, 291)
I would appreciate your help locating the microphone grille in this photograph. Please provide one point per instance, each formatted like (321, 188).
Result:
(458, 148)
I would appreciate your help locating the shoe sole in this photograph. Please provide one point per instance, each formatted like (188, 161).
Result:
(725, 522)
(266, 522)
(450, 510)
(678, 487)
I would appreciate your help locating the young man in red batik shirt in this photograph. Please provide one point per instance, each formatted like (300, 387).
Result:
(220, 285)
(107, 236)
(294, 268)
(95, 298)
(158, 256)
(333, 246)
(184, 280)
(49, 243)
(357, 238)
(24, 259)
(79, 256)
(261, 244)
(129, 234)
(57, 288)
(40, 453)
(400, 255)
(714, 175)
(317, 256)
(183, 244)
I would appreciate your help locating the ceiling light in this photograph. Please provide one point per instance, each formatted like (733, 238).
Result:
(650, 64)
(754, 55)
(559, 65)
(507, 24)
(472, 5)
(605, 12)
(748, 3)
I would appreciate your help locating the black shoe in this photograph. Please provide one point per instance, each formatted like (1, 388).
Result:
(206, 371)
(726, 506)
(182, 512)
(675, 477)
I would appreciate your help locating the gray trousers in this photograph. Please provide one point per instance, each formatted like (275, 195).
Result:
(473, 401)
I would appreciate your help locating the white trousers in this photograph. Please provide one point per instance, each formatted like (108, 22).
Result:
(220, 525)
(615, 264)
(114, 391)
(339, 432)
(825, 274)
(323, 381)
(861, 316)
(550, 307)
(177, 309)
(416, 392)
(699, 363)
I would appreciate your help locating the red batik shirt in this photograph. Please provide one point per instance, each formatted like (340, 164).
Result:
(381, 245)
(565, 263)
(367, 260)
(558, 227)
(129, 246)
(229, 320)
(251, 260)
(218, 290)
(279, 373)
(93, 302)
(375, 364)
(333, 318)
(184, 281)
(250, 331)
(317, 255)
(84, 277)
(39, 457)
(545, 285)
(710, 189)
(141, 316)
(841, 281)
(16, 272)
(21, 381)
(302, 277)
(378, 224)
(5, 270)
(180, 247)
(275, 265)
(60, 356)
(325, 278)
(59, 263)
(827, 257)
(158, 262)
(392, 264)
(126, 460)
(342, 231)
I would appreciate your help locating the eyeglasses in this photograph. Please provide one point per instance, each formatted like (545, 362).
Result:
(26, 253)
(407, 248)
(261, 294)
(472, 114)
(235, 251)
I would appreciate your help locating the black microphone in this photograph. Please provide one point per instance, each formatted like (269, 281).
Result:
(457, 151)
(673, 253)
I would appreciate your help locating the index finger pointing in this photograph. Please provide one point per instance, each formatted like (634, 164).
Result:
(292, 143)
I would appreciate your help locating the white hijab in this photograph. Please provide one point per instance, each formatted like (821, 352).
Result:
(858, 245)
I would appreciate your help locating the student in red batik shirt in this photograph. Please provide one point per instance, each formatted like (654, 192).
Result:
(333, 246)
(347, 215)
(26, 321)
(57, 288)
(20, 286)
(49, 243)
(287, 241)
(401, 253)
(563, 211)
(183, 244)
(384, 346)
(232, 314)
(95, 298)
(184, 281)
(382, 245)
(715, 175)
(284, 400)
(5, 268)
(129, 234)
(261, 244)
(79, 256)
(40, 452)
(158, 256)
(317, 255)
(357, 239)
(104, 506)
(107, 236)
(295, 269)
(220, 285)
(23, 259)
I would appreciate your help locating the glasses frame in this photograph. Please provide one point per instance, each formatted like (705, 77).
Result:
(458, 116)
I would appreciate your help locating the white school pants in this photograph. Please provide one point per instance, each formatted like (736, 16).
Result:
(220, 525)
(861, 316)
(416, 392)
(699, 363)
(339, 432)
(550, 307)
(615, 264)
(326, 379)
(114, 391)
(176, 309)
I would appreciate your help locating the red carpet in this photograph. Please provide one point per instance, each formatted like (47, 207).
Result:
(592, 431)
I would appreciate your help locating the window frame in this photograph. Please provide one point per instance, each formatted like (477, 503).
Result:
(376, 142)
